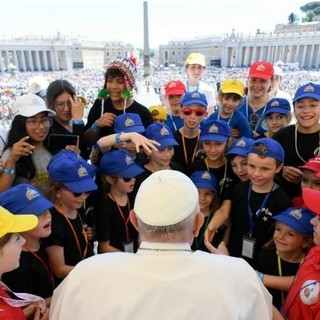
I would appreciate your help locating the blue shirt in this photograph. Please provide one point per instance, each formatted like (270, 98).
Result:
(174, 122)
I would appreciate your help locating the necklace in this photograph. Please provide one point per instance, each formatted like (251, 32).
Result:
(166, 250)
(315, 152)
(219, 117)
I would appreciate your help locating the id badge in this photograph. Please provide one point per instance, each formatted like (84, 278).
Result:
(248, 246)
(128, 246)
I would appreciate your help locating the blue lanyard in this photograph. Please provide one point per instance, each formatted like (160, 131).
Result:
(250, 214)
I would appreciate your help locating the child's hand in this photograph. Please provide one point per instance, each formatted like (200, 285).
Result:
(292, 174)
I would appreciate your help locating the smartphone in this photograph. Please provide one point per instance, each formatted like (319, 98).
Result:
(57, 142)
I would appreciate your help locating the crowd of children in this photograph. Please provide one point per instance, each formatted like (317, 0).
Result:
(248, 162)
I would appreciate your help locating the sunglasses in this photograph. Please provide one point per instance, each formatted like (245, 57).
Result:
(125, 179)
(199, 112)
(76, 194)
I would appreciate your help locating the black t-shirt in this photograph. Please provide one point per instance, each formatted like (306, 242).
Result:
(63, 236)
(110, 225)
(192, 146)
(268, 264)
(262, 224)
(306, 145)
(32, 276)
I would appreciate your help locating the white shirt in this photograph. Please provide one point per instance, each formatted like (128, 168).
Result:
(207, 90)
(168, 281)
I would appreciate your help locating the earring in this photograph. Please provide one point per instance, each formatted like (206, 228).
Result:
(103, 94)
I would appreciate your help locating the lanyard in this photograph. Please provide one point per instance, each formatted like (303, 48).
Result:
(125, 221)
(280, 274)
(47, 267)
(23, 299)
(219, 117)
(188, 88)
(84, 253)
(185, 149)
(250, 214)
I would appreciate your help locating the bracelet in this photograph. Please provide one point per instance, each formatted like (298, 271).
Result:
(8, 171)
(117, 137)
(78, 122)
(95, 128)
(261, 276)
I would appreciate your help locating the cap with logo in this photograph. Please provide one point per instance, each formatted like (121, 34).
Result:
(194, 97)
(278, 105)
(261, 69)
(29, 200)
(73, 171)
(267, 147)
(215, 130)
(240, 147)
(128, 122)
(158, 113)
(312, 164)
(120, 163)
(175, 87)
(162, 134)
(204, 179)
(309, 90)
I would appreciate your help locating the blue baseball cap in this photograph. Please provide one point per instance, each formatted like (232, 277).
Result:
(267, 147)
(120, 163)
(24, 199)
(73, 171)
(162, 134)
(204, 179)
(128, 122)
(194, 97)
(240, 147)
(309, 90)
(296, 218)
(278, 105)
(215, 130)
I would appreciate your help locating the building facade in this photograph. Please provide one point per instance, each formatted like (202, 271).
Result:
(290, 43)
(38, 53)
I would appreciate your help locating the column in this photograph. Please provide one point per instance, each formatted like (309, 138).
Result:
(304, 55)
(23, 61)
(311, 58)
(37, 58)
(1, 62)
(15, 59)
(276, 55)
(45, 60)
(30, 61)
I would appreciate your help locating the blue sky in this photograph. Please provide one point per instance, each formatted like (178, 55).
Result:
(123, 20)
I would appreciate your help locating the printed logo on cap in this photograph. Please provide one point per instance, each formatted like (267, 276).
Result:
(172, 84)
(195, 95)
(275, 104)
(129, 122)
(82, 172)
(241, 143)
(213, 129)
(128, 160)
(31, 194)
(206, 175)
(296, 214)
(309, 88)
(164, 131)
(261, 67)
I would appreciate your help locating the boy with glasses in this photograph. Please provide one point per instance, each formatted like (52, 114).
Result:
(193, 111)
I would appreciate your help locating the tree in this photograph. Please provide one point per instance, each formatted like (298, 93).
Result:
(311, 9)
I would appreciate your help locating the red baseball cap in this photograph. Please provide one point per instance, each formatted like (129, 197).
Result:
(311, 199)
(312, 164)
(175, 87)
(261, 69)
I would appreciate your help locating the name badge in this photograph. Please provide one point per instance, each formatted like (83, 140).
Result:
(248, 246)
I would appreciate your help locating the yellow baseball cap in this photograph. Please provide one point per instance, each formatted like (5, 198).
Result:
(233, 86)
(15, 223)
(196, 58)
(158, 113)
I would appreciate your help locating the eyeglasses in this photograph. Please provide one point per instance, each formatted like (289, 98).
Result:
(61, 104)
(76, 194)
(199, 112)
(35, 124)
(125, 179)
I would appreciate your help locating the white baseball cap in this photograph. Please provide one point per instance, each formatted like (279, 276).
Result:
(29, 105)
(165, 198)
